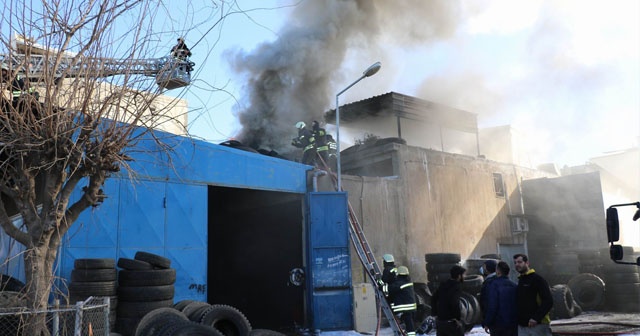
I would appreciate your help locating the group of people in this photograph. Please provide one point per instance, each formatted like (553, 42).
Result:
(509, 309)
(316, 143)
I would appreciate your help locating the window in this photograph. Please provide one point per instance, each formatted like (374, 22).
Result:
(498, 185)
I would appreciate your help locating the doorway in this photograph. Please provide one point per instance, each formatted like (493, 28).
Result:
(255, 239)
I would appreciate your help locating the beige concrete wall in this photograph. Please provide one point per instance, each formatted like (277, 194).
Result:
(439, 202)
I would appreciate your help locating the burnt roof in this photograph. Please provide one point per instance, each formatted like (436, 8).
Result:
(407, 107)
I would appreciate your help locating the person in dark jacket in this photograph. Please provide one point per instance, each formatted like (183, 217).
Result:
(306, 141)
(180, 50)
(500, 317)
(445, 304)
(403, 299)
(320, 136)
(488, 269)
(389, 272)
(534, 300)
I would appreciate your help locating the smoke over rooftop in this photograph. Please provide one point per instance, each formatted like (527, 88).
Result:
(543, 67)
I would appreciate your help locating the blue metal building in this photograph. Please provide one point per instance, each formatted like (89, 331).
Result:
(234, 224)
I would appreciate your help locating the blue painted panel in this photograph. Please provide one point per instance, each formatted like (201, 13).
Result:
(328, 263)
(191, 274)
(142, 215)
(330, 309)
(186, 216)
(330, 268)
(194, 161)
(96, 227)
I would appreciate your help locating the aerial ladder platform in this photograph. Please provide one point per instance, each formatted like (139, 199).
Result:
(368, 259)
(35, 62)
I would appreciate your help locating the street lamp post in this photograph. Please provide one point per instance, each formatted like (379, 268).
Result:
(367, 73)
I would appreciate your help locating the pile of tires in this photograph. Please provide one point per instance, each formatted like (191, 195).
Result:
(168, 321)
(226, 319)
(94, 277)
(438, 266)
(622, 286)
(145, 283)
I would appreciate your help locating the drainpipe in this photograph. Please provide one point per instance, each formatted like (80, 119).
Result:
(315, 178)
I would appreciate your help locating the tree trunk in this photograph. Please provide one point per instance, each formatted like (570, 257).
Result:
(38, 261)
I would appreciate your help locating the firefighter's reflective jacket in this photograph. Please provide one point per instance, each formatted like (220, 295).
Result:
(402, 296)
(305, 140)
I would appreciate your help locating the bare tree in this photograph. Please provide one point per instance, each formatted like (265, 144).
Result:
(70, 125)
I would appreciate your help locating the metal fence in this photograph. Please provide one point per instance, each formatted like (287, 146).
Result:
(85, 318)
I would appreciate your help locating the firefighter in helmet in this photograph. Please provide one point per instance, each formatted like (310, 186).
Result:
(389, 273)
(306, 141)
(332, 161)
(180, 50)
(403, 299)
(320, 135)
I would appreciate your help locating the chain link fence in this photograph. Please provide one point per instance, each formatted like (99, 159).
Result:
(85, 318)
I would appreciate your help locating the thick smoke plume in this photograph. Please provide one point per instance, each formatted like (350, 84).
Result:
(293, 78)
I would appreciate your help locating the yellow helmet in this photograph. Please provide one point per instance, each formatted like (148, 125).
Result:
(403, 270)
(300, 125)
(388, 258)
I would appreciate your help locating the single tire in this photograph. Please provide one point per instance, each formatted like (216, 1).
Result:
(156, 277)
(181, 304)
(153, 259)
(587, 290)
(146, 293)
(11, 284)
(93, 275)
(150, 324)
(442, 258)
(440, 268)
(100, 288)
(228, 320)
(562, 302)
(190, 308)
(94, 263)
(134, 265)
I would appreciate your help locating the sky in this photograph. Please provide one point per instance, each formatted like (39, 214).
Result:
(564, 73)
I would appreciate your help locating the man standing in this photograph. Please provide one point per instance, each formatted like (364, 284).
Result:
(445, 304)
(403, 299)
(533, 298)
(500, 317)
(488, 269)
(306, 141)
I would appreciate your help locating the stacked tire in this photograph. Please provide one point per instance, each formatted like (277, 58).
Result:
(145, 283)
(226, 319)
(622, 287)
(97, 278)
(438, 266)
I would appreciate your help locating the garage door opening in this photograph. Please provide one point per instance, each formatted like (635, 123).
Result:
(255, 240)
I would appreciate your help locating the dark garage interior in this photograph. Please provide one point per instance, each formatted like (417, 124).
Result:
(255, 240)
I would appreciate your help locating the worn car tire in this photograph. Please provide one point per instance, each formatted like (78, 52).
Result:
(146, 293)
(442, 258)
(228, 320)
(86, 289)
(94, 263)
(134, 265)
(440, 268)
(156, 277)
(93, 275)
(153, 259)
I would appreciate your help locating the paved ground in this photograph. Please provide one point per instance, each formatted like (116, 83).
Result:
(589, 323)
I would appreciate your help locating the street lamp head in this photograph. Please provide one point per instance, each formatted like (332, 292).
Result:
(372, 69)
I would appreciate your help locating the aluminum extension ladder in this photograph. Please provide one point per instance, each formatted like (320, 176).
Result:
(367, 258)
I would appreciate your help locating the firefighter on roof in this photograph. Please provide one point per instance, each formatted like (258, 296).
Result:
(306, 141)
(320, 135)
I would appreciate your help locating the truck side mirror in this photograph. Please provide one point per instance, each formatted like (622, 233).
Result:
(615, 252)
(613, 226)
